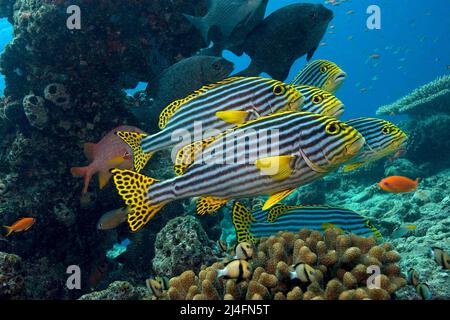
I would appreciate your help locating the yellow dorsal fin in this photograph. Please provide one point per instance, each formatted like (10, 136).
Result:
(242, 220)
(207, 205)
(133, 139)
(233, 116)
(353, 166)
(275, 198)
(186, 156)
(133, 188)
(276, 212)
(279, 167)
(173, 107)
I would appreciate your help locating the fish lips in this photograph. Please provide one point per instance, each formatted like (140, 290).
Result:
(354, 148)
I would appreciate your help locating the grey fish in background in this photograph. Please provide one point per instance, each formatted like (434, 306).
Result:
(283, 37)
(228, 22)
(183, 78)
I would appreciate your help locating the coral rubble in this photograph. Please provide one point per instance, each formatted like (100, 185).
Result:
(182, 244)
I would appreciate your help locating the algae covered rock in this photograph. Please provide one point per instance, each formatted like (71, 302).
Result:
(182, 244)
(118, 290)
(11, 280)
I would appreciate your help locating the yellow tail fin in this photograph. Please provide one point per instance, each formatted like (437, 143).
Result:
(9, 230)
(134, 139)
(133, 188)
(242, 220)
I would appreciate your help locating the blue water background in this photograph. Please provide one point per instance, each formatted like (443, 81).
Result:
(413, 45)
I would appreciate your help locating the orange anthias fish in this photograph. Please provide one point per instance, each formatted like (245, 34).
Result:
(21, 225)
(398, 184)
(110, 153)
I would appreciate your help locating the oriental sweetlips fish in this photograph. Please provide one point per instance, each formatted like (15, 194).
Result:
(322, 74)
(303, 147)
(265, 223)
(320, 101)
(382, 138)
(216, 107)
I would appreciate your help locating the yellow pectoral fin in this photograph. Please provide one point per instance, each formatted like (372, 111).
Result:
(103, 178)
(208, 205)
(233, 116)
(353, 166)
(279, 167)
(275, 198)
(114, 162)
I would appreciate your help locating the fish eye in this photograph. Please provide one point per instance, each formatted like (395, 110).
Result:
(332, 128)
(386, 130)
(278, 90)
(216, 66)
(317, 99)
(323, 69)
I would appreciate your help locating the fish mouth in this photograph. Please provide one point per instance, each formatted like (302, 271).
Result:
(353, 148)
(297, 103)
(340, 77)
(337, 111)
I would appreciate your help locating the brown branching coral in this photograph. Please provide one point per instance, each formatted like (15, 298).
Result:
(340, 262)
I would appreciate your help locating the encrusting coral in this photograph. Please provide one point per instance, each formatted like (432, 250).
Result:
(11, 281)
(340, 262)
(431, 98)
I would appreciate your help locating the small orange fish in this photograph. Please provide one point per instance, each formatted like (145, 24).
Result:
(398, 184)
(110, 153)
(20, 225)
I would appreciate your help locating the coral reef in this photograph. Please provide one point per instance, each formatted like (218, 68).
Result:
(182, 244)
(64, 88)
(432, 98)
(118, 290)
(11, 280)
(340, 263)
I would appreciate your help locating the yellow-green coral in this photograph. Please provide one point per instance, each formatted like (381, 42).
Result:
(431, 98)
(341, 271)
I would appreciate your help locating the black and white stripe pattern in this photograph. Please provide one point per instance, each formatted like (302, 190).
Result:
(301, 134)
(253, 94)
(382, 138)
(320, 101)
(311, 217)
(322, 74)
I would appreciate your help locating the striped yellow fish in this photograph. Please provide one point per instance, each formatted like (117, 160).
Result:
(322, 74)
(217, 107)
(382, 138)
(320, 101)
(302, 147)
(251, 226)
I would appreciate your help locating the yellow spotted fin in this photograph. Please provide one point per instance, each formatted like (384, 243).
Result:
(276, 197)
(133, 139)
(375, 231)
(233, 116)
(173, 107)
(353, 166)
(133, 188)
(278, 167)
(186, 156)
(208, 205)
(242, 220)
(276, 212)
